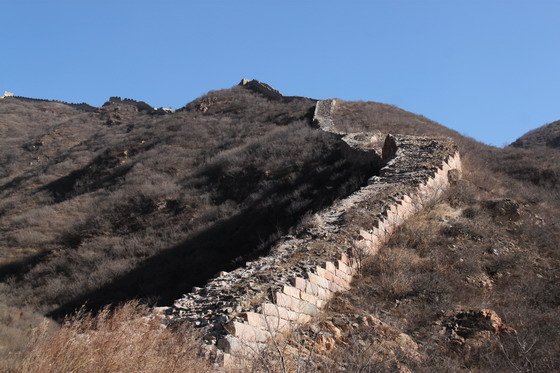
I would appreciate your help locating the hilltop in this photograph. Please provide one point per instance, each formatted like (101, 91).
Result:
(127, 202)
(547, 136)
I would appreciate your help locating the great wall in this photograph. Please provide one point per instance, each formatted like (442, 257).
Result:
(140, 105)
(240, 311)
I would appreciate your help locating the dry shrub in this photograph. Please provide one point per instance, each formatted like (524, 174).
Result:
(15, 331)
(393, 269)
(123, 340)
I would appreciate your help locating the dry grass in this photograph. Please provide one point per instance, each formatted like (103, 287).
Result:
(123, 340)
(491, 242)
(462, 252)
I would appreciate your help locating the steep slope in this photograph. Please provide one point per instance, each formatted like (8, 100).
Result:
(126, 202)
(469, 284)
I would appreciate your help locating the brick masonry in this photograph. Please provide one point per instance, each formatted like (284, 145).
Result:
(241, 310)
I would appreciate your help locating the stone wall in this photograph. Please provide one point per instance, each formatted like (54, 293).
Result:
(80, 106)
(262, 88)
(140, 105)
(241, 310)
(266, 90)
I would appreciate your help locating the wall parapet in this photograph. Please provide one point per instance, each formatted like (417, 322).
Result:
(242, 309)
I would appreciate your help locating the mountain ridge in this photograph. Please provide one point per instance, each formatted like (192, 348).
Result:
(545, 136)
(107, 193)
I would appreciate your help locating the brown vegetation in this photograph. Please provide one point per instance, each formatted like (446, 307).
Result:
(149, 206)
(491, 243)
(470, 284)
(547, 136)
(127, 339)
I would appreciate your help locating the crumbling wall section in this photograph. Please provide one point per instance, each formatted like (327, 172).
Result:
(262, 88)
(243, 309)
(266, 90)
(140, 105)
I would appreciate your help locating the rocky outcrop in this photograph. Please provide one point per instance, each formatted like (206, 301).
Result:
(243, 309)
(472, 326)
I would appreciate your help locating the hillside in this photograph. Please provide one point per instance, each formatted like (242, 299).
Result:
(122, 194)
(124, 202)
(545, 136)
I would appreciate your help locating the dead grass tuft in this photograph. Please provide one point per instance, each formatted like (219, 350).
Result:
(123, 340)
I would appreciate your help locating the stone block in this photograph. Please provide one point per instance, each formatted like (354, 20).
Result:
(268, 322)
(324, 294)
(406, 199)
(375, 242)
(335, 288)
(303, 318)
(409, 209)
(269, 309)
(318, 280)
(379, 236)
(291, 291)
(288, 302)
(365, 234)
(324, 273)
(309, 298)
(255, 319)
(329, 266)
(344, 258)
(342, 283)
(363, 245)
(231, 345)
(343, 275)
(275, 324)
(341, 266)
(308, 309)
(246, 332)
(311, 288)
(300, 283)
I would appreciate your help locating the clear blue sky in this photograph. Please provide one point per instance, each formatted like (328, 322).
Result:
(489, 69)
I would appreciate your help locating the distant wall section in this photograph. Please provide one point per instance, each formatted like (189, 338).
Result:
(266, 90)
(80, 106)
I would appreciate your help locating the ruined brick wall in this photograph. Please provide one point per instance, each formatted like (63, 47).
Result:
(140, 105)
(266, 90)
(262, 88)
(241, 310)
